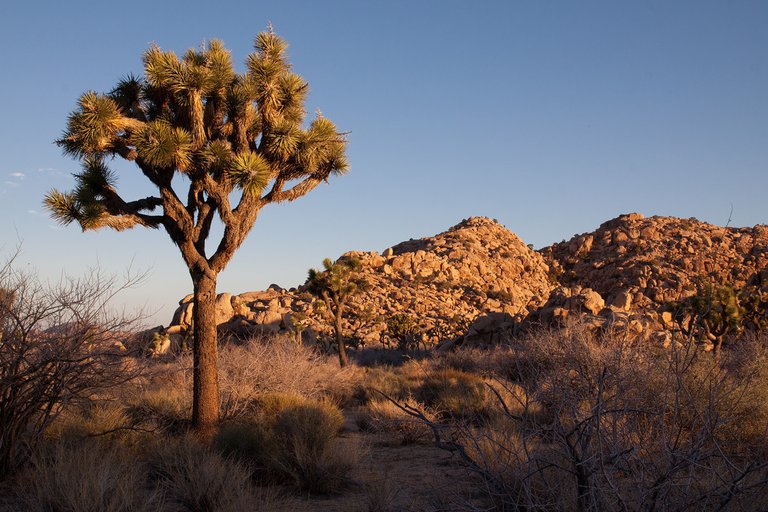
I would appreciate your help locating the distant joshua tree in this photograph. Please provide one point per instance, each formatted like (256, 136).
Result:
(335, 285)
(235, 142)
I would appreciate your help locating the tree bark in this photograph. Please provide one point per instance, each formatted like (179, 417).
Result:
(205, 403)
(340, 338)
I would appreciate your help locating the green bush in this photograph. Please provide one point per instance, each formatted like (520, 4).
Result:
(248, 442)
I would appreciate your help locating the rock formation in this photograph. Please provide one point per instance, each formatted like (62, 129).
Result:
(480, 280)
(638, 263)
(444, 282)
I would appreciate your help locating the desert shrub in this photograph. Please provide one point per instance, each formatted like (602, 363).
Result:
(84, 477)
(373, 357)
(312, 424)
(395, 382)
(304, 435)
(293, 437)
(404, 329)
(250, 442)
(455, 394)
(59, 345)
(621, 425)
(260, 367)
(384, 416)
(163, 403)
(106, 421)
(191, 477)
(380, 495)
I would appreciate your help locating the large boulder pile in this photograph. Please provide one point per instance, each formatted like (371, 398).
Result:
(638, 263)
(623, 275)
(444, 282)
(478, 283)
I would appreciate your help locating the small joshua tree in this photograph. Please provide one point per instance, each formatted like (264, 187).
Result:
(213, 143)
(404, 329)
(335, 285)
(711, 314)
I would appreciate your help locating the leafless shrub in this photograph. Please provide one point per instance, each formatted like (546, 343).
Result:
(260, 367)
(58, 344)
(610, 425)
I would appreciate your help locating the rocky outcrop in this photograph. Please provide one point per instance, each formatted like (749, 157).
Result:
(479, 284)
(444, 282)
(637, 263)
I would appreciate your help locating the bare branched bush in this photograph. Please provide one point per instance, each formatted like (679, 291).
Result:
(605, 424)
(58, 344)
(382, 416)
(260, 367)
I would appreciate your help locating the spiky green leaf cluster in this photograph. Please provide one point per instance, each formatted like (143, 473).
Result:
(205, 71)
(92, 128)
(163, 146)
(250, 172)
(340, 280)
(67, 207)
(195, 115)
(63, 206)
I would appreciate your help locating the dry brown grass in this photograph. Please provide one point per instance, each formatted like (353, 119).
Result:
(191, 477)
(383, 416)
(84, 477)
(294, 437)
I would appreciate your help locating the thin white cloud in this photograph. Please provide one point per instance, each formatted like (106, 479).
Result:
(51, 171)
(32, 212)
(19, 175)
(11, 183)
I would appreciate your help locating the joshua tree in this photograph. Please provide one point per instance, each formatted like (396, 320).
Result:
(236, 142)
(335, 285)
(711, 314)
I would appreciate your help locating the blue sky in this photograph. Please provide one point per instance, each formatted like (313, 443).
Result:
(550, 116)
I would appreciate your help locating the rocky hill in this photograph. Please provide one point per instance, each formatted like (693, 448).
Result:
(635, 262)
(442, 282)
(480, 280)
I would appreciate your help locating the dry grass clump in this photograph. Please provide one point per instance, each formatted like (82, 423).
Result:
(163, 404)
(191, 477)
(107, 421)
(380, 495)
(84, 477)
(168, 475)
(262, 366)
(383, 416)
(294, 438)
(456, 394)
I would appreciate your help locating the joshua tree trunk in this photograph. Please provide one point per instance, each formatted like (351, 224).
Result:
(205, 405)
(340, 338)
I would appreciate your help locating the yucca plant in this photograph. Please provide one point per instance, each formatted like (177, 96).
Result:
(711, 314)
(335, 285)
(241, 141)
